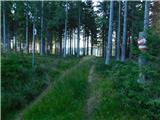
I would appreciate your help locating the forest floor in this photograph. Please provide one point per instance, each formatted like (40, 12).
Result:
(86, 89)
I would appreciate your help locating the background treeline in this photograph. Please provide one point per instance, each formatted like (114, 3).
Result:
(61, 25)
(49, 18)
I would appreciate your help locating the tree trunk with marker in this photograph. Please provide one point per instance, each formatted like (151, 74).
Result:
(142, 47)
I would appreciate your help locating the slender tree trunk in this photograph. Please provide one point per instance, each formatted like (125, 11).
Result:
(42, 49)
(50, 43)
(88, 45)
(47, 44)
(20, 42)
(91, 45)
(33, 44)
(84, 44)
(4, 27)
(109, 45)
(65, 39)
(78, 34)
(146, 15)
(75, 41)
(72, 42)
(8, 38)
(103, 44)
(118, 33)
(132, 34)
(55, 48)
(70, 49)
(104, 32)
(60, 43)
(124, 41)
(130, 47)
(15, 36)
(68, 36)
(26, 35)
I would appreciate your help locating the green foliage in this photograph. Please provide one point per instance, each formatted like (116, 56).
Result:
(153, 43)
(122, 97)
(21, 83)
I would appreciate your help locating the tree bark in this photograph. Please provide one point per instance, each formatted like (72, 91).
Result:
(33, 44)
(78, 34)
(4, 27)
(50, 43)
(84, 44)
(75, 41)
(15, 36)
(60, 43)
(141, 59)
(91, 45)
(65, 36)
(123, 55)
(118, 33)
(42, 48)
(26, 32)
(109, 45)
(70, 47)
(88, 45)
(146, 16)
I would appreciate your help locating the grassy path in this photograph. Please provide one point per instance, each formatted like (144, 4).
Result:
(59, 94)
(91, 98)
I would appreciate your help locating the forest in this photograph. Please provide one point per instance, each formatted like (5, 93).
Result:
(80, 60)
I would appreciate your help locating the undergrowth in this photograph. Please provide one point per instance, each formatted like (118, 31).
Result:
(20, 83)
(122, 97)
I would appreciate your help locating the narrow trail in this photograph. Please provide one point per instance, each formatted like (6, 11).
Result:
(91, 100)
(20, 115)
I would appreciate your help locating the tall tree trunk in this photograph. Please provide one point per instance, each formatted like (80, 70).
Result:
(20, 43)
(103, 44)
(124, 41)
(8, 47)
(50, 43)
(130, 47)
(15, 36)
(4, 27)
(60, 43)
(33, 44)
(88, 45)
(26, 35)
(118, 33)
(78, 34)
(142, 59)
(91, 45)
(109, 45)
(42, 48)
(146, 15)
(65, 36)
(84, 44)
(75, 41)
(70, 49)
(72, 42)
